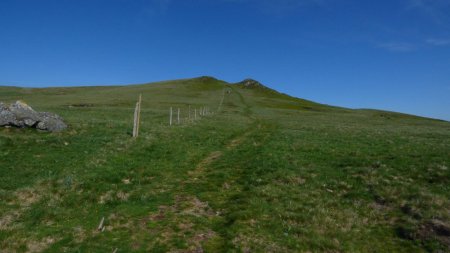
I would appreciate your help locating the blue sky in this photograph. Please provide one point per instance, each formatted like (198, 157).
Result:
(385, 54)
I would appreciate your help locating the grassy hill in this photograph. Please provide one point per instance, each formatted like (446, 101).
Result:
(265, 173)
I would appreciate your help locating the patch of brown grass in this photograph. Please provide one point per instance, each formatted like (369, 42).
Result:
(39, 246)
(106, 197)
(27, 196)
(435, 229)
(23, 198)
(197, 208)
(252, 243)
(7, 220)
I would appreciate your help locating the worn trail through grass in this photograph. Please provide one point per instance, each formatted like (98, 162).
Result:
(267, 173)
(190, 213)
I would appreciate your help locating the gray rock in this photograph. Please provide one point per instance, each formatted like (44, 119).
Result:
(6, 116)
(250, 83)
(50, 122)
(24, 114)
(19, 114)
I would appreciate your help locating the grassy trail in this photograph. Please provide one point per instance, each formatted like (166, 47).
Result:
(268, 173)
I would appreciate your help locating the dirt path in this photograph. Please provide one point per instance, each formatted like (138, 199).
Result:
(190, 216)
(215, 155)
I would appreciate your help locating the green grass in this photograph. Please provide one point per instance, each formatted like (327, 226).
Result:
(267, 173)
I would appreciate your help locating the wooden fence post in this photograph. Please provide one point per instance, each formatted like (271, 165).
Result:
(137, 117)
(178, 116)
(221, 101)
(135, 120)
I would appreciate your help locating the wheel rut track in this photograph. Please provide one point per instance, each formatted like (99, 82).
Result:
(256, 127)
(216, 155)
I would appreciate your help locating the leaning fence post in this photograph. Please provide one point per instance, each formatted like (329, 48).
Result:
(137, 117)
(135, 120)
(221, 101)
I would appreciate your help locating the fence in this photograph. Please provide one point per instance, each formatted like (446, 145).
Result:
(191, 115)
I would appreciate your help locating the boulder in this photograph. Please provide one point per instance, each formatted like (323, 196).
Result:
(25, 115)
(6, 117)
(19, 114)
(50, 122)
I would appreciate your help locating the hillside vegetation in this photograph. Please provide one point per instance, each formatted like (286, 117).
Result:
(265, 173)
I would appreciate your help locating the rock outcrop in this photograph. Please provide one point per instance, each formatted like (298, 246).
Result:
(250, 83)
(6, 116)
(255, 85)
(19, 114)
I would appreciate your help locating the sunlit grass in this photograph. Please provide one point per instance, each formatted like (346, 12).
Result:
(268, 173)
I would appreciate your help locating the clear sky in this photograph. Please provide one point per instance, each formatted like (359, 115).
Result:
(384, 54)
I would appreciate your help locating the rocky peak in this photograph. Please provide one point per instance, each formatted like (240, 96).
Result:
(250, 83)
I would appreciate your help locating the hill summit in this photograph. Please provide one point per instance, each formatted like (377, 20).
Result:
(250, 83)
(220, 167)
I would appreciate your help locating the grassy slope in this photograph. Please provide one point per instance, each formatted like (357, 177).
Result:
(268, 173)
